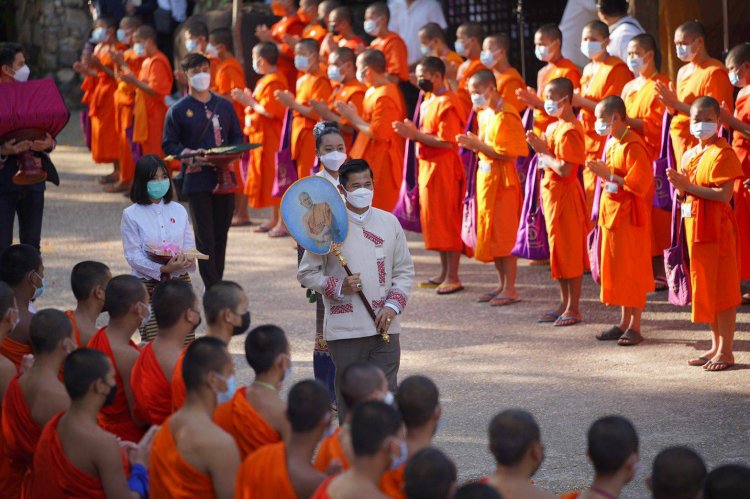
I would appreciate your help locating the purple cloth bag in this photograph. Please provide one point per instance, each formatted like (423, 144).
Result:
(286, 168)
(523, 162)
(677, 261)
(594, 239)
(531, 239)
(469, 160)
(663, 191)
(407, 207)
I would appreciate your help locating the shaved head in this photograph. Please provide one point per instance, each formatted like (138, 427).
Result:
(472, 29)
(706, 103)
(379, 9)
(692, 29)
(267, 51)
(598, 28)
(359, 381)
(344, 55)
(645, 41)
(373, 59)
(309, 45)
(418, 399)
(483, 78)
(431, 31)
(561, 87)
(677, 473)
(500, 40)
(551, 31)
(433, 65)
(739, 55)
(612, 105)
(130, 22)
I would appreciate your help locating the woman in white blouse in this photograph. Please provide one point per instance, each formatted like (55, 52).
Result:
(154, 221)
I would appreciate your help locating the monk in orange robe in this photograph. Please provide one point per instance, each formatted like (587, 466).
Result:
(75, 457)
(442, 179)
(377, 17)
(340, 33)
(283, 470)
(8, 314)
(418, 401)
(561, 154)
(311, 85)
(152, 84)
(706, 181)
(494, 55)
(285, 30)
(191, 456)
(433, 41)
(227, 314)
(645, 114)
(126, 301)
(256, 415)
(263, 119)
(347, 89)
(377, 141)
(33, 398)
(360, 382)
(605, 75)
(22, 269)
(124, 97)
(701, 76)
(88, 280)
(196, 41)
(175, 308)
(627, 186)
(501, 140)
(469, 38)
(548, 43)
(309, 10)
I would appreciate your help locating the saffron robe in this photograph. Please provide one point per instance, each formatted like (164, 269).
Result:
(178, 384)
(230, 75)
(466, 70)
(21, 436)
(150, 110)
(350, 92)
(248, 428)
(392, 483)
(151, 388)
(741, 146)
(394, 48)
(315, 31)
(264, 475)
(310, 86)
(124, 102)
(14, 350)
(508, 81)
(561, 68)
(104, 143)
(290, 25)
(331, 450)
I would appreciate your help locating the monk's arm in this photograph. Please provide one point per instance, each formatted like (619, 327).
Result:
(432, 140)
(361, 125)
(129, 78)
(559, 166)
(490, 152)
(125, 374)
(223, 463)
(7, 373)
(109, 466)
(737, 125)
(722, 194)
(305, 111)
(55, 402)
(580, 101)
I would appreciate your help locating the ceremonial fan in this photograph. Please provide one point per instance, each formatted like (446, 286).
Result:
(29, 111)
(220, 158)
(315, 216)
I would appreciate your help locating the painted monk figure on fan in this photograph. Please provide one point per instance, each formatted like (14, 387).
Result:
(378, 444)
(701, 76)
(22, 269)
(500, 141)
(88, 280)
(191, 456)
(418, 401)
(285, 30)
(442, 179)
(627, 178)
(311, 85)
(605, 75)
(494, 56)
(152, 84)
(227, 312)
(263, 121)
(376, 139)
(469, 38)
(548, 43)
(177, 313)
(283, 470)
(561, 153)
(705, 182)
(377, 17)
(127, 62)
(340, 33)
(342, 71)
(127, 303)
(77, 458)
(645, 114)
(256, 415)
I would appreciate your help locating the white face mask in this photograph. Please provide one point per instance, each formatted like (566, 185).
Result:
(139, 49)
(602, 128)
(200, 81)
(703, 130)
(591, 48)
(361, 77)
(333, 160)
(635, 64)
(22, 73)
(542, 53)
(301, 62)
(479, 101)
(211, 51)
(487, 58)
(360, 198)
(371, 27)
(191, 45)
(685, 52)
(552, 108)
(389, 398)
(334, 74)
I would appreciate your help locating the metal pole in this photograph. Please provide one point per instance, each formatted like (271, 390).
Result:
(725, 20)
(522, 37)
(237, 29)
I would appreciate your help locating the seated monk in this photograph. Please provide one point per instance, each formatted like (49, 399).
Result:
(22, 269)
(360, 382)
(284, 470)
(33, 398)
(418, 401)
(476, 490)
(126, 301)
(378, 445)
(677, 472)
(256, 415)
(8, 317)
(516, 443)
(177, 313)
(613, 450)
(76, 457)
(191, 456)
(729, 480)
(227, 312)
(88, 280)
(429, 474)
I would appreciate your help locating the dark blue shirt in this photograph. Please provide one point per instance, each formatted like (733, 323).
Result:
(188, 126)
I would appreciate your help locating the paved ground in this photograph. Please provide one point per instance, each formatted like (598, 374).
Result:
(483, 359)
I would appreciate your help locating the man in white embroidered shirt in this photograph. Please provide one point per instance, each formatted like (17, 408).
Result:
(378, 255)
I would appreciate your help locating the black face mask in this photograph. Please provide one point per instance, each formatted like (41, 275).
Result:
(244, 326)
(425, 85)
(111, 395)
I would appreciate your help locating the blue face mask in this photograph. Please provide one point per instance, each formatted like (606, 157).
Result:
(487, 58)
(403, 456)
(139, 49)
(542, 53)
(334, 74)
(635, 64)
(734, 78)
(122, 35)
(301, 62)
(602, 128)
(191, 45)
(98, 35)
(459, 46)
(591, 48)
(479, 101)
(227, 395)
(157, 188)
(40, 290)
(425, 49)
(684, 52)
(552, 108)
(256, 68)
(371, 27)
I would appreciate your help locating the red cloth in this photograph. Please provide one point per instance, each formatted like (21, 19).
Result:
(151, 388)
(21, 435)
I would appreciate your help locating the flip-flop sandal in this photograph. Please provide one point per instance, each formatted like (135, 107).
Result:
(502, 301)
(262, 229)
(275, 233)
(723, 366)
(548, 317)
(487, 297)
(449, 289)
(429, 284)
(699, 362)
(613, 333)
(630, 339)
(563, 321)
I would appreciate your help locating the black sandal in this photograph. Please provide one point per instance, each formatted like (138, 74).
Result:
(611, 334)
(630, 339)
